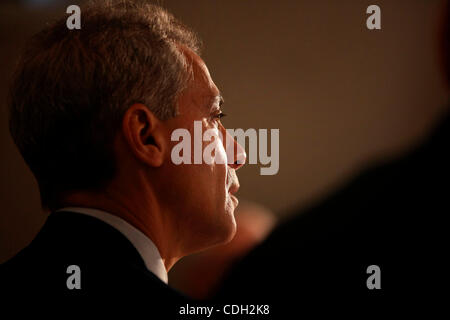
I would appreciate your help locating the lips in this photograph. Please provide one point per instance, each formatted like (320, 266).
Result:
(232, 182)
(235, 200)
(232, 186)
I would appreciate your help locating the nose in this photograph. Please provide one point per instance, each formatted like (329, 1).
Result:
(235, 152)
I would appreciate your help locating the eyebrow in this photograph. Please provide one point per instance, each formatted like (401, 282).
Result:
(215, 98)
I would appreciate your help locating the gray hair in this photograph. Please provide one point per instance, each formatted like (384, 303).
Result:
(72, 88)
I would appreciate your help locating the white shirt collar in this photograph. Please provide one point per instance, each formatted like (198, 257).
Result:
(146, 248)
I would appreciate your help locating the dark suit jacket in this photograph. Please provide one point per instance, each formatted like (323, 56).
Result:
(112, 272)
(393, 216)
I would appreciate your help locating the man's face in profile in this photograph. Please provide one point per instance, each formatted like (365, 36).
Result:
(202, 194)
(101, 136)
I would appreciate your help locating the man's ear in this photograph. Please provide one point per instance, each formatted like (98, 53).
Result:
(144, 134)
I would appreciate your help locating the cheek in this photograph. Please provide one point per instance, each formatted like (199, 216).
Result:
(215, 160)
(218, 160)
(214, 152)
(221, 155)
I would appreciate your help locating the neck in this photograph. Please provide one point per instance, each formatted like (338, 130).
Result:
(142, 212)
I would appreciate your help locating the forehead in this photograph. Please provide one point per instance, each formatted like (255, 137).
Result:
(202, 88)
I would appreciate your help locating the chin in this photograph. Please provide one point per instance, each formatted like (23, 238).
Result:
(227, 229)
(222, 236)
(229, 233)
(220, 228)
(223, 232)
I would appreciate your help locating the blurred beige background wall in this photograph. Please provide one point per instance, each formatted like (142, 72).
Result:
(340, 94)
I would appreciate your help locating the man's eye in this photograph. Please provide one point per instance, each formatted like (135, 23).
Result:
(219, 115)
